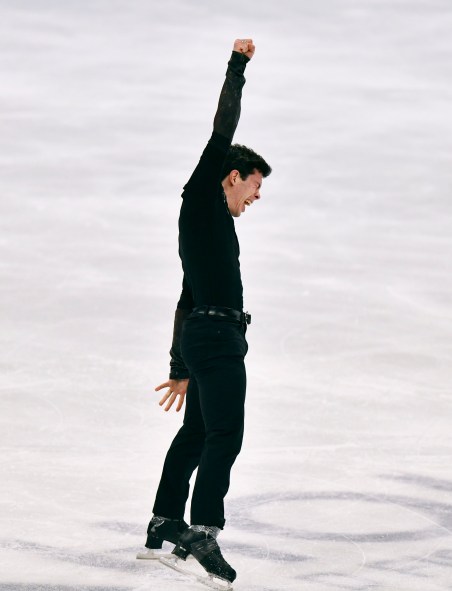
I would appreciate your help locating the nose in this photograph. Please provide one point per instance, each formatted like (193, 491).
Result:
(257, 195)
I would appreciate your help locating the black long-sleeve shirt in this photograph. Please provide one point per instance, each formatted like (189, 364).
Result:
(208, 245)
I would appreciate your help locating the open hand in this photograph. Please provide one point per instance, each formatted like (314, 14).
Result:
(245, 46)
(176, 388)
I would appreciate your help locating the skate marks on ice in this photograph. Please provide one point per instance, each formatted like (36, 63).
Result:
(46, 587)
(340, 500)
(330, 540)
(352, 540)
(121, 559)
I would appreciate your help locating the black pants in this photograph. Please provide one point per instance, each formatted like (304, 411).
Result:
(213, 350)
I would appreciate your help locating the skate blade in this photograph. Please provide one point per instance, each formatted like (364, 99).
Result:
(211, 581)
(150, 554)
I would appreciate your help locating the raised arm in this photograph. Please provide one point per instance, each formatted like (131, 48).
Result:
(205, 178)
(228, 111)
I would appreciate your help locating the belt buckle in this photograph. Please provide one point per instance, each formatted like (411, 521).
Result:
(246, 317)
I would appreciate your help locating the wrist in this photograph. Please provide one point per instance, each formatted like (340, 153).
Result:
(239, 58)
(179, 374)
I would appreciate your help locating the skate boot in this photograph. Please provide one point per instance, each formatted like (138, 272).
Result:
(204, 547)
(161, 529)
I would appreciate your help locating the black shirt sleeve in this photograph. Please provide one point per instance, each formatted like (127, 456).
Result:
(178, 370)
(208, 173)
(186, 297)
(228, 111)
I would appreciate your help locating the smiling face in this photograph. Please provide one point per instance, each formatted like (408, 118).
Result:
(240, 193)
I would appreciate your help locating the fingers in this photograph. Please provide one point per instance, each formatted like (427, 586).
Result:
(171, 397)
(170, 401)
(244, 45)
(165, 397)
(180, 404)
(175, 388)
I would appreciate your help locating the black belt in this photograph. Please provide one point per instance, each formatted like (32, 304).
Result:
(242, 317)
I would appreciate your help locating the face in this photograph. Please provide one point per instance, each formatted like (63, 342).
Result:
(240, 193)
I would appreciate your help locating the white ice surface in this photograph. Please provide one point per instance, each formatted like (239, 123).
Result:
(344, 482)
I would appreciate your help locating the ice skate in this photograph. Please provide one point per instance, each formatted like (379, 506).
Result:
(161, 530)
(154, 553)
(206, 551)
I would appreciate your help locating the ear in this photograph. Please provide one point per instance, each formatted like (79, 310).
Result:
(234, 176)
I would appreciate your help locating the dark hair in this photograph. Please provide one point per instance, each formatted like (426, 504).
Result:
(246, 161)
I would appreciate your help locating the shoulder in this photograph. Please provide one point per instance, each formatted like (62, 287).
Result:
(207, 175)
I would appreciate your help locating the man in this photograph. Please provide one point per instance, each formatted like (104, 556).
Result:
(209, 346)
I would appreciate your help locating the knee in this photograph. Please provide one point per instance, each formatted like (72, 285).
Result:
(226, 441)
(189, 435)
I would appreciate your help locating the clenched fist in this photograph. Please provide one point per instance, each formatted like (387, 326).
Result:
(245, 46)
